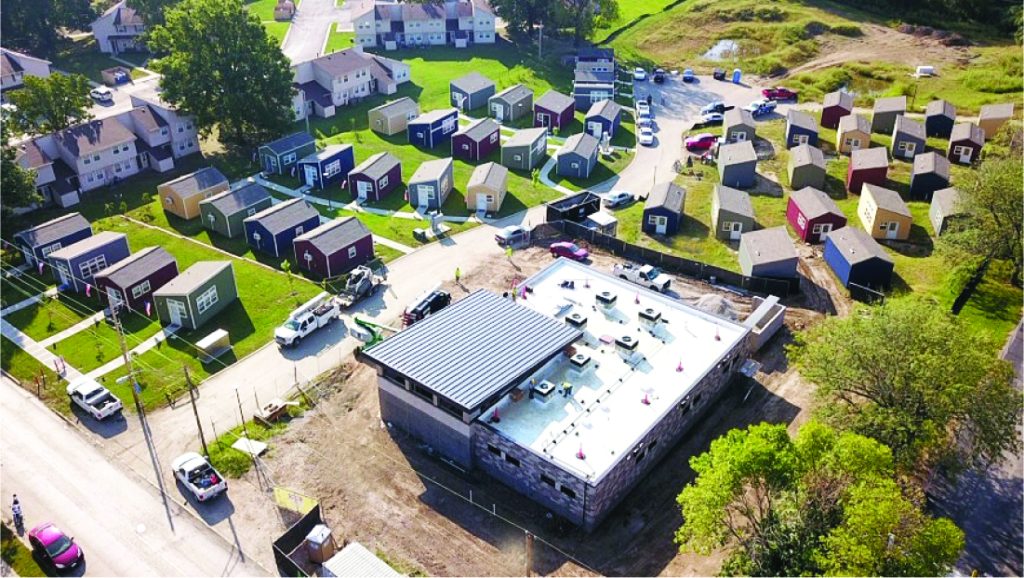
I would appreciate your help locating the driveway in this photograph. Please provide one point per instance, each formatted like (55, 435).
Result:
(312, 23)
(676, 106)
(122, 97)
(119, 521)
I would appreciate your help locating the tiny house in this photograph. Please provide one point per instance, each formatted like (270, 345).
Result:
(813, 214)
(768, 253)
(908, 138)
(835, 106)
(279, 156)
(526, 149)
(181, 197)
(434, 128)
(554, 110)
(885, 111)
(883, 213)
(132, 281)
(225, 212)
(578, 156)
(945, 207)
(603, 118)
(334, 248)
(663, 209)
(471, 91)
(801, 129)
(511, 104)
(39, 241)
(737, 164)
(375, 177)
(477, 141)
(327, 167)
(487, 188)
(939, 118)
(993, 117)
(806, 167)
(857, 259)
(393, 117)
(75, 265)
(867, 166)
(430, 184)
(272, 230)
(197, 295)
(732, 213)
(854, 133)
(738, 125)
(965, 142)
(931, 173)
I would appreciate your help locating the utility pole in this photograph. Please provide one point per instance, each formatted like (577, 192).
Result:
(245, 430)
(529, 554)
(540, 41)
(195, 411)
(128, 364)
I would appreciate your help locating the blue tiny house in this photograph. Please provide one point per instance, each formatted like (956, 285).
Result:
(324, 168)
(433, 128)
(75, 265)
(857, 259)
(279, 156)
(578, 156)
(273, 230)
(801, 129)
(603, 117)
(39, 241)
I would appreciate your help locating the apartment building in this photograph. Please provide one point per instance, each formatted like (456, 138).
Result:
(393, 25)
(15, 66)
(336, 79)
(118, 29)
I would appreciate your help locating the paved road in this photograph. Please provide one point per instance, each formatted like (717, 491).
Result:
(119, 521)
(122, 97)
(309, 30)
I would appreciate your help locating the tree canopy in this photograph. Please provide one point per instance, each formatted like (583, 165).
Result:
(822, 503)
(912, 377)
(221, 67)
(580, 16)
(152, 11)
(49, 104)
(32, 24)
(18, 184)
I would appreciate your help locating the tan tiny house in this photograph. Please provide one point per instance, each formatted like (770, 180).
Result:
(883, 213)
(486, 188)
(993, 117)
(393, 117)
(181, 196)
(854, 133)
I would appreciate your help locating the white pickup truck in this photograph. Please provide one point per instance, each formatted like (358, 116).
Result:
(316, 313)
(646, 275)
(198, 476)
(92, 397)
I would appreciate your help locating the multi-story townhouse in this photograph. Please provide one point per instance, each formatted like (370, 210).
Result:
(396, 24)
(118, 29)
(342, 77)
(15, 66)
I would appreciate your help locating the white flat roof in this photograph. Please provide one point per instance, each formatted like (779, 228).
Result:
(613, 402)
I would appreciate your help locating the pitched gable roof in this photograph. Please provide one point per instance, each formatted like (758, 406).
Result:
(336, 235)
(969, 132)
(857, 246)
(801, 119)
(137, 266)
(195, 183)
(377, 165)
(734, 201)
(240, 199)
(855, 122)
(805, 154)
(667, 196)
(472, 82)
(582, 144)
(873, 158)
(814, 203)
(284, 215)
(843, 100)
(767, 246)
(50, 231)
(555, 101)
(887, 199)
(94, 136)
(480, 129)
(491, 175)
(931, 162)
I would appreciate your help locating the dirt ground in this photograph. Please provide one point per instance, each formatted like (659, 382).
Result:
(384, 490)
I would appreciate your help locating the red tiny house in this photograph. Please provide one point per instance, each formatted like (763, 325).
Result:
(867, 166)
(813, 214)
(334, 248)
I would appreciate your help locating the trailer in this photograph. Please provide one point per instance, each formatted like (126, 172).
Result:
(361, 282)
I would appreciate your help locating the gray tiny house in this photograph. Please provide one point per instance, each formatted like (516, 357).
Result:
(471, 91)
(526, 149)
(738, 125)
(908, 138)
(197, 295)
(768, 253)
(732, 213)
(806, 167)
(883, 119)
(511, 104)
(430, 184)
(578, 156)
(225, 212)
(737, 164)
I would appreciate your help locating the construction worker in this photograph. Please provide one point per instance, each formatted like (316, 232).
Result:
(458, 275)
(566, 389)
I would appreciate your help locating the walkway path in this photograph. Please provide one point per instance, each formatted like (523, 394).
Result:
(80, 326)
(28, 302)
(393, 244)
(139, 349)
(40, 353)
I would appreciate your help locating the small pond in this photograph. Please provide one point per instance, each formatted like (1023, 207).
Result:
(722, 50)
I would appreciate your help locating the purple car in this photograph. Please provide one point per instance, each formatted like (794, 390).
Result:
(570, 251)
(55, 547)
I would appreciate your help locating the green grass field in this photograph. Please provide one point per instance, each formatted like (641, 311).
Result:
(31, 374)
(339, 40)
(264, 10)
(84, 57)
(17, 555)
(630, 13)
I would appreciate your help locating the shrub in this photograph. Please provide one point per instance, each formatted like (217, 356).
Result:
(851, 30)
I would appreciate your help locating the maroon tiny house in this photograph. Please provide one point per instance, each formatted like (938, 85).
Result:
(813, 214)
(477, 141)
(132, 281)
(554, 110)
(375, 177)
(836, 105)
(867, 166)
(334, 248)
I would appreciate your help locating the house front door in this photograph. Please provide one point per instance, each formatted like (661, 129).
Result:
(177, 311)
(362, 189)
(310, 174)
(595, 129)
(826, 228)
(545, 120)
(661, 225)
(909, 150)
(965, 154)
(114, 296)
(737, 230)
(481, 203)
(892, 230)
(499, 111)
(739, 136)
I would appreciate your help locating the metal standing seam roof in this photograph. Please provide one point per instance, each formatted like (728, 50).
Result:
(736, 153)
(198, 182)
(376, 166)
(336, 235)
(431, 171)
(891, 104)
(805, 154)
(909, 127)
(737, 117)
(606, 109)
(767, 246)
(843, 100)
(355, 561)
(50, 231)
(491, 175)
(526, 137)
(801, 119)
(967, 131)
(137, 266)
(474, 348)
(734, 201)
(192, 278)
(940, 108)
(284, 215)
(480, 129)
(582, 144)
(328, 152)
(1002, 110)
(947, 200)
(554, 101)
(814, 203)
(432, 116)
(872, 158)
(472, 83)
(887, 199)
(514, 93)
(231, 202)
(401, 106)
(290, 142)
(855, 122)
(666, 195)
(931, 162)
(88, 244)
(856, 245)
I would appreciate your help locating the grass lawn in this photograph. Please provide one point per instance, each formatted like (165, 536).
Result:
(17, 555)
(607, 167)
(51, 315)
(84, 57)
(233, 463)
(27, 369)
(628, 13)
(97, 345)
(394, 228)
(385, 253)
(277, 30)
(263, 296)
(338, 40)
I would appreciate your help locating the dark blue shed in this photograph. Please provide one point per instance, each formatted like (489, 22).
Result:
(801, 128)
(603, 117)
(857, 259)
(75, 265)
(578, 156)
(433, 128)
(273, 230)
(39, 241)
(279, 156)
(663, 211)
(324, 168)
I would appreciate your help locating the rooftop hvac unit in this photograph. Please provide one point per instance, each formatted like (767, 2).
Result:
(577, 320)
(626, 345)
(649, 317)
(580, 361)
(606, 299)
(542, 390)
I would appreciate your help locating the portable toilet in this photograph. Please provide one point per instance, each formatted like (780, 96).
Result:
(737, 74)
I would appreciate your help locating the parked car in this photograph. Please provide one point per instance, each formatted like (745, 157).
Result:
(761, 107)
(711, 118)
(426, 305)
(700, 142)
(198, 476)
(645, 120)
(569, 251)
(617, 199)
(719, 107)
(642, 108)
(639, 74)
(659, 75)
(779, 93)
(95, 399)
(689, 76)
(511, 236)
(646, 275)
(102, 94)
(54, 547)
(718, 74)
(646, 135)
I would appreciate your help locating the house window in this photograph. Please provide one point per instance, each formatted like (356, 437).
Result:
(494, 450)
(288, 159)
(465, 147)
(448, 125)
(512, 460)
(181, 128)
(332, 168)
(163, 131)
(95, 157)
(248, 212)
(100, 176)
(574, 165)
(902, 146)
(383, 182)
(181, 146)
(140, 289)
(547, 480)
(726, 225)
(518, 158)
(86, 161)
(206, 299)
(959, 149)
(816, 229)
(124, 148)
(489, 198)
(92, 266)
(190, 144)
(45, 251)
(568, 492)
(352, 252)
(494, 138)
(299, 231)
(117, 168)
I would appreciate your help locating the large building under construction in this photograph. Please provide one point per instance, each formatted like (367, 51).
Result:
(569, 393)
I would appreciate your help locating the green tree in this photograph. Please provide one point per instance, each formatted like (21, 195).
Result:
(583, 16)
(803, 505)
(222, 68)
(18, 184)
(152, 11)
(33, 25)
(910, 376)
(522, 15)
(993, 199)
(50, 104)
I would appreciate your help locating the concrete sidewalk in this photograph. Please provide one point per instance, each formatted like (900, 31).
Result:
(76, 328)
(139, 349)
(40, 353)
(28, 302)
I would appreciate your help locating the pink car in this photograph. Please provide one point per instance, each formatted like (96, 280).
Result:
(55, 547)
(701, 142)
(569, 251)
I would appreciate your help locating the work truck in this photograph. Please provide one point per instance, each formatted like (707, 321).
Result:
(312, 315)
(92, 397)
(646, 275)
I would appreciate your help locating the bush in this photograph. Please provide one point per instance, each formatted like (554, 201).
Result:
(1001, 77)
(851, 30)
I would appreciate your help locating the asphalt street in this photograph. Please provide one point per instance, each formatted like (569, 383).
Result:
(122, 525)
